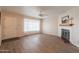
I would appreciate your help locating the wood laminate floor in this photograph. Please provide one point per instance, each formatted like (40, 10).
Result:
(39, 43)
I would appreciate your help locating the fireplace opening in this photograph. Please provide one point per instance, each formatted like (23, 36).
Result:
(65, 35)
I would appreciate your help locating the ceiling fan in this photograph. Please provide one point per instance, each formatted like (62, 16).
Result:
(42, 14)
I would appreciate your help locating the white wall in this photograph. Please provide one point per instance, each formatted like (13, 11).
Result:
(50, 24)
(74, 12)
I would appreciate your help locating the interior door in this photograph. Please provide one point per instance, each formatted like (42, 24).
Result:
(9, 27)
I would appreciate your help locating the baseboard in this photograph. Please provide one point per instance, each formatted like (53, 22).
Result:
(30, 34)
(10, 38)
(51, 35)
(19, 37)
(0, 42)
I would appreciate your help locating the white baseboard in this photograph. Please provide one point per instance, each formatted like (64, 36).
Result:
(0, 42)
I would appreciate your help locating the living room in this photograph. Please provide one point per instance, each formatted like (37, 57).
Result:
(34, 28)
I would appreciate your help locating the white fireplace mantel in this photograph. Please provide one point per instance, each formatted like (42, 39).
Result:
(65, 27)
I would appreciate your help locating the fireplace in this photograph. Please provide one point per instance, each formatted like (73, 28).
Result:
(65, 34)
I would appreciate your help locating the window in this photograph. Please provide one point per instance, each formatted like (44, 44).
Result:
(31, 25)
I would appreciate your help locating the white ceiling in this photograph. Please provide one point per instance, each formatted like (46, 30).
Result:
(56, 9)
(27, 11)
(35, 10)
